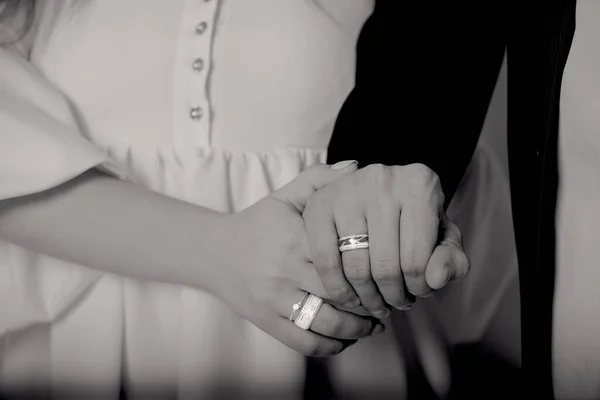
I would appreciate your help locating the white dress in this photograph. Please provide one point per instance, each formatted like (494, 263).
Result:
(216, 102)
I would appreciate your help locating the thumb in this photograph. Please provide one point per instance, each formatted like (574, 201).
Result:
(298, 191)
(448, 262)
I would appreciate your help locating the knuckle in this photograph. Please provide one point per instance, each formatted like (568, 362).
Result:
(374, 303)
(420, 172)
(434, 180)
(414, 268)
(326, 262)
(293, 241)
(386, 270)
(374, 169)
(340, 294)
(357, 273)
(426, 182)
(377, 175)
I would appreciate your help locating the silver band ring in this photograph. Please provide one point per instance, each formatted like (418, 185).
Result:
(308, 312)
(353, 242)
(296, 307)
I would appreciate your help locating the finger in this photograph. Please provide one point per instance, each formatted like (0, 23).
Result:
(298, 191)
(449, 261)
(356, 263)
(419, 221)
(308, 281)
(332, 322)
(322, 236)
(344, 325)
(383, 220)
(306, 342)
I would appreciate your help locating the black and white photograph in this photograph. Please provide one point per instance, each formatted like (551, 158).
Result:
(299, 199)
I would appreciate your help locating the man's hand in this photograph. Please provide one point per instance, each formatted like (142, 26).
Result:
(413, 247)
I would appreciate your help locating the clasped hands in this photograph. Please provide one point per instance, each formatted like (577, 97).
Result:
(286, 245)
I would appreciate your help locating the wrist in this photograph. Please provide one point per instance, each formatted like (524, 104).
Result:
(198, 251)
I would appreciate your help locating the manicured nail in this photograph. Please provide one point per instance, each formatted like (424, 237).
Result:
(343, 164)
(379, 328)
(381, 313)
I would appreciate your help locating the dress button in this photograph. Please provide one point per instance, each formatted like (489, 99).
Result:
(198, 64)
(196, 113)
(201, 28)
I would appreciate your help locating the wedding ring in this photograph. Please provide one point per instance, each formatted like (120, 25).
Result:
(353, 242)
(296, 307)
(308, 312)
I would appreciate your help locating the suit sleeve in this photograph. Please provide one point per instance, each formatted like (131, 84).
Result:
(424, 81)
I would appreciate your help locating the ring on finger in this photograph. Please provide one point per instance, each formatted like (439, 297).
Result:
(308, 312)
(353, 242)
(296, 307)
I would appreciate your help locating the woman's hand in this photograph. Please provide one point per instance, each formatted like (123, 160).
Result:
(401, 209)
(266, 269)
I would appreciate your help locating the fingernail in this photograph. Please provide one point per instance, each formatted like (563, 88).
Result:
(406, 307)
(381, 313)
(343, 164)
(379, 328)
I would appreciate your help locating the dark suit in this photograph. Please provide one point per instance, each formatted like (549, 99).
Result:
(425, 76)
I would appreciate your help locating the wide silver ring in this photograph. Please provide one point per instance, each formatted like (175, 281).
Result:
(308, 312)
(353, 242)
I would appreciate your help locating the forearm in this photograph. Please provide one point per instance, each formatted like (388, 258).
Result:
(114, 226)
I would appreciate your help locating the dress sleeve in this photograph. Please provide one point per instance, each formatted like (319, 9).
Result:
(41, 147)
(40, 144)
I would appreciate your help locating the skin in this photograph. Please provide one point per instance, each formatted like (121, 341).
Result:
(401, 209)
(118, 227)
(260, 275)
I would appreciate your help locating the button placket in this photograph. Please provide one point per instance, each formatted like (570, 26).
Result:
(200, 31)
